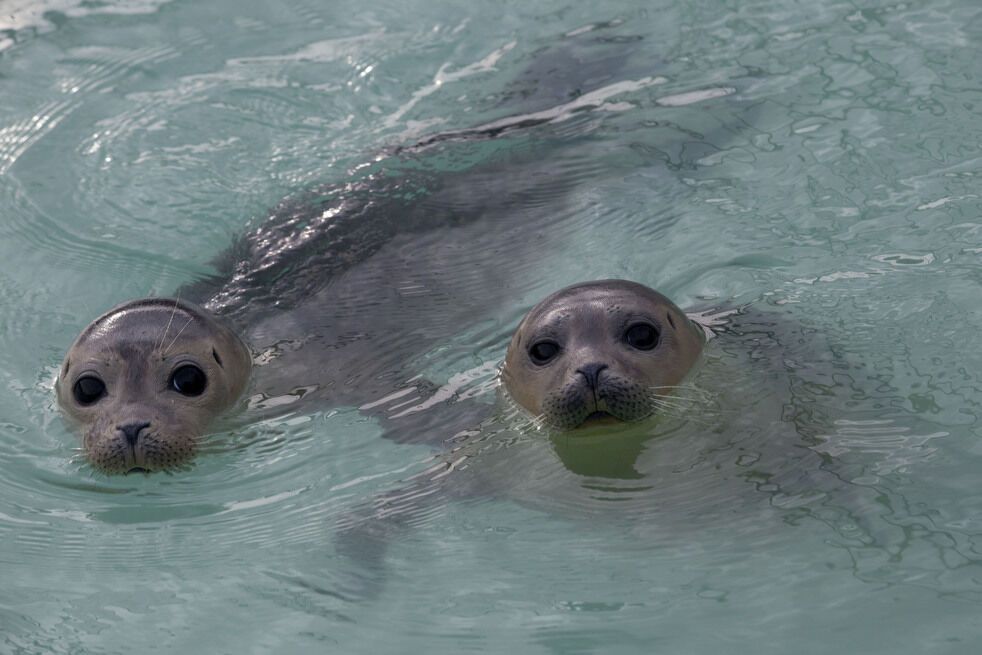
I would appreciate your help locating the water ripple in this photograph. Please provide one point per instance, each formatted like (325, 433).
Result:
(807, 166)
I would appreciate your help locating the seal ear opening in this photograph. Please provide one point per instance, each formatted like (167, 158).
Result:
(214, 353)
(64, 370)
(670, 321)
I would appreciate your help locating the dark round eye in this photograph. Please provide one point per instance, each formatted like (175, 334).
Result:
(189, 380)
(543, 351)
(642, 336)
(88, 390)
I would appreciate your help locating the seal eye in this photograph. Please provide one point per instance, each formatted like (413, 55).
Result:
(642, 336)
(88, 390)
(189, 380)
(542, 352)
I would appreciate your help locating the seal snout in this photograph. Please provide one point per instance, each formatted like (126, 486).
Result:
(592, 374)
(132, 431)
(595, 397)
(134, 454)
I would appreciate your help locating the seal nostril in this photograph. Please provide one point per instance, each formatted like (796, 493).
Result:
(132, 431)
(592, 373)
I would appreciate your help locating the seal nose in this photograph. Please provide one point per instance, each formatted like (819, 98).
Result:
(592, 373)
(132, 431)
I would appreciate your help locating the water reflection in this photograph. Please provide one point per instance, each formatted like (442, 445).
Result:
(601, 455)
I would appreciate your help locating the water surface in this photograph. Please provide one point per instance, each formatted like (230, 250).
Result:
(818, 161)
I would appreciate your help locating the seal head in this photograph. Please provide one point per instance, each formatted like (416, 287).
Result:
(145, 379)
(602, 350)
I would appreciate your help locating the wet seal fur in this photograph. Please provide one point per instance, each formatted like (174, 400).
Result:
(602, 350)
(145, 380)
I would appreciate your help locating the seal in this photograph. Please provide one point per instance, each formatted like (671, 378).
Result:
(144, 380)
(607, 350)
(345, 289)
(584, 361)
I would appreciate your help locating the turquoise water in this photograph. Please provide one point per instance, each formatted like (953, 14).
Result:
(819, 161)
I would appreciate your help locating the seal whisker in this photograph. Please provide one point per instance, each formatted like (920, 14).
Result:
(660, 406)
(681, 387)
(176, 337)
(687, 399)
(678, 400)
(682, 414)
(169, 320)
(683, 406)
(538, 423)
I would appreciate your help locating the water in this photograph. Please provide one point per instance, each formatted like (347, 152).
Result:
(816, 160)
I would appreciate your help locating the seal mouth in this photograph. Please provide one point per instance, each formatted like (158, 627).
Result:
(137, 469)
(600, 416)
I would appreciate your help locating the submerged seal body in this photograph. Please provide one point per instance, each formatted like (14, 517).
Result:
(609, 349)
(144, 380)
